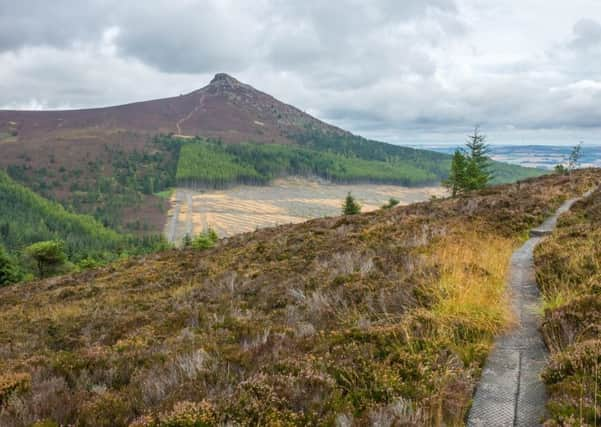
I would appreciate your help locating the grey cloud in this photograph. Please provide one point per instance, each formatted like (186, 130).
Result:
(384, 67)
(587, 33)
(58, 23)
(191, 37)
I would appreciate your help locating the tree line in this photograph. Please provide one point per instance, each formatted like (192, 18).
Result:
(31, 225)
(216, 165)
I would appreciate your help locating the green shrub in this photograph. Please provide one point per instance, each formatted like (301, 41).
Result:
(48, 256)
(392, 202)
(350, 205)
(205, 240)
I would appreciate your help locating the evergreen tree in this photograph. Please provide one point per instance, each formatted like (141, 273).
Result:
(470, 167)
(350, 205)
(456, 182)
(205, 240)
(478, 168)
(392, 202)
(9, 272)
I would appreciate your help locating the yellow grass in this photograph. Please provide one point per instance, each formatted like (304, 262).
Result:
(473, 282)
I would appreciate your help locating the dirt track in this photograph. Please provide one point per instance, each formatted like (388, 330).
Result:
(290, 200)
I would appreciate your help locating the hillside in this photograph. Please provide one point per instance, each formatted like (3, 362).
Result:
(88, 158)
(108, 162)
(569, 275)
(352, 160)
(359, 319)
(225, 109)
(26, 218)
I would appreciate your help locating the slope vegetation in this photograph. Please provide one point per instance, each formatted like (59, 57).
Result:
(569, 274)
(26, 218)
(217, 165)
(212, 164)
(371, 319)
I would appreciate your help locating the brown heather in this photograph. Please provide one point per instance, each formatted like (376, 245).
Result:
(376, 319)
(569, 273)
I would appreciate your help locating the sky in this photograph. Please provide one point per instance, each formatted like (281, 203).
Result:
(413, 72)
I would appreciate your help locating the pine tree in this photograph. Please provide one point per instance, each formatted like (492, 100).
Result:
(456, 182)
(205, 240)
(470, 167)
(350, 205)
(478, 169)
(9, 272)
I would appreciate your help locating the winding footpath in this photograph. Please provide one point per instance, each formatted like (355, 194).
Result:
(511, 392)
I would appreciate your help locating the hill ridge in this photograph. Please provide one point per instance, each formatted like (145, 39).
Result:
(247, 106)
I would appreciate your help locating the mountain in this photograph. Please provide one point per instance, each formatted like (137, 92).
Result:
(347, 320)
(225, 109)
(108, 162)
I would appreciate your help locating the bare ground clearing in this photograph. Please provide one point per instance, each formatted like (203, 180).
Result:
(290, 200)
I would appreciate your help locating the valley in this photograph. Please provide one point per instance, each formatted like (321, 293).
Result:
(245, 208)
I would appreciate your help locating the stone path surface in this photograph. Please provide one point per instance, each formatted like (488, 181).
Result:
(511, 392)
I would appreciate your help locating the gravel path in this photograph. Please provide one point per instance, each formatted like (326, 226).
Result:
(511, 392)
(171, 232)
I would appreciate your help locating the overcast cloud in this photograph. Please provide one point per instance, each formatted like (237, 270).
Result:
(404, 71)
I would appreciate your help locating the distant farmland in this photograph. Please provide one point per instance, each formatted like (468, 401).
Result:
(245, 208)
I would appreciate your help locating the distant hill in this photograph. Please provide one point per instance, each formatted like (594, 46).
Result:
(26, 218)
(225, 109)
(107, 162)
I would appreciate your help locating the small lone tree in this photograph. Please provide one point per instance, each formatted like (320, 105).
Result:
(9, 272)
(478, 169)
(392, 202)
(205, 240)
(456, 182)
(350, 205)
(470, 167)
(48, 256)
(571, 162)
(574, 157)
